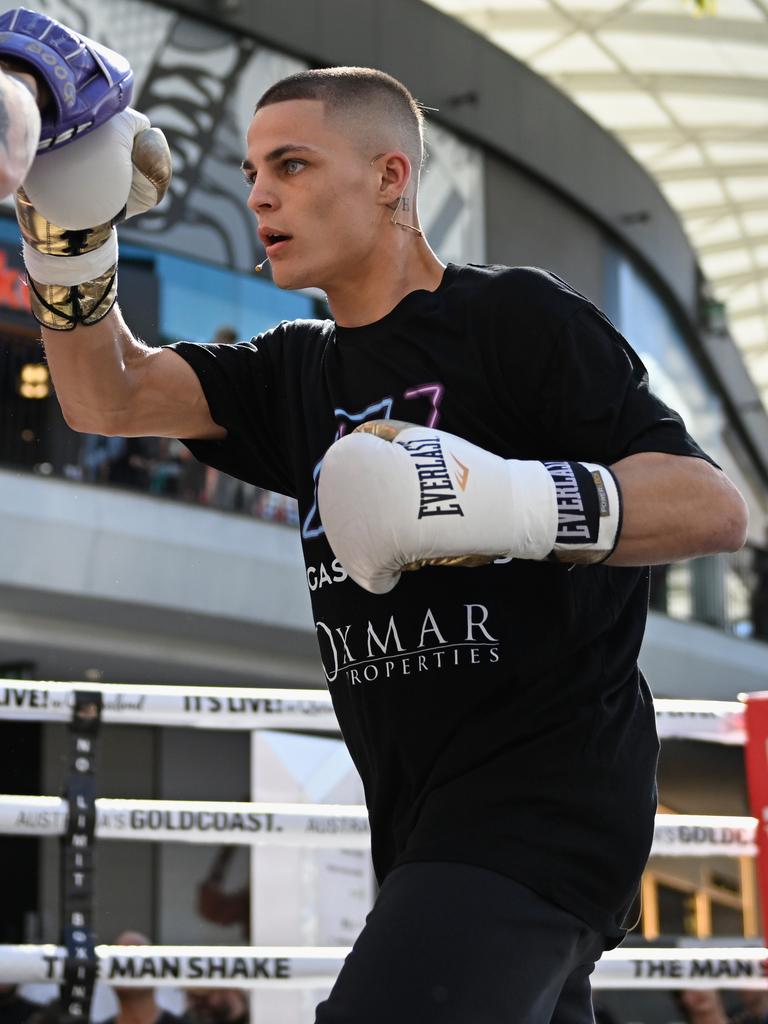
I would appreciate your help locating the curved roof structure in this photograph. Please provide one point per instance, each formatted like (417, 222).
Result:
(687, 94)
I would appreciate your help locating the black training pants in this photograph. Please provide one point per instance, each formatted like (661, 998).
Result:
(456, 944)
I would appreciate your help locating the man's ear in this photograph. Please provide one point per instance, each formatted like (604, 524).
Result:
(394, 168)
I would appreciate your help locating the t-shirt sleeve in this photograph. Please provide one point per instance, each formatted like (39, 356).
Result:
(597, 403)
(242, 386)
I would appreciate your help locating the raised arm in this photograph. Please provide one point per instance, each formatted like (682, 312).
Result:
(98, 162)
(108, 382)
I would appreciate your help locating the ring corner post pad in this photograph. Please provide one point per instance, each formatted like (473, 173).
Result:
(80, 965)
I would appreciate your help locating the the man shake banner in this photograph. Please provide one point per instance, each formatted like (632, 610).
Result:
(756, 756)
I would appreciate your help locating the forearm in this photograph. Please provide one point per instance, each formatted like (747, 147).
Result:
(675, 507)
(19, 127)
(93, 369)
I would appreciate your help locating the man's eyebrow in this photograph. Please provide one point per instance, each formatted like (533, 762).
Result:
(275, 154)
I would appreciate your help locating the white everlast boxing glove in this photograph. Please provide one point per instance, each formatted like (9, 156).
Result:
(395, 497)
(67, 210)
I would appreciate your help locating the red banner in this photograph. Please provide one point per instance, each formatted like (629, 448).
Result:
(756, 756)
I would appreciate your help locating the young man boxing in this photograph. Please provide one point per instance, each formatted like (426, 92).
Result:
(499, 477)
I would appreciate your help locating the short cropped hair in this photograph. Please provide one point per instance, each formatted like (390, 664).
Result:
(349, 90)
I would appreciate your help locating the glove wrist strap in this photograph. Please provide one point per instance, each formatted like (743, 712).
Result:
(62, 307)
(72, 274)
(589, 512)
(49, 239)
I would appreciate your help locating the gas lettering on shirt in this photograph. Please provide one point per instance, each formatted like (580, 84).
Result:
(319, 576)
(382, 649)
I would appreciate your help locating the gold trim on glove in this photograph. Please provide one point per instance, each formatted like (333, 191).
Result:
(152, 155)
(387, 430)
(62, 307)
(466, 561)
(52, 240)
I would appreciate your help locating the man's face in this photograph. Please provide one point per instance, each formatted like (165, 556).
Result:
(700, 1001)
(215, 1006)
(311, 182)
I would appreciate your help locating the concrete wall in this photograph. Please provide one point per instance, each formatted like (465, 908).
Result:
(688, 660)
(528, 225)
(149, 590)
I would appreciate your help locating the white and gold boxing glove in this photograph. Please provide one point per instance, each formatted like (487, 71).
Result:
(67, 210)
(395, 497)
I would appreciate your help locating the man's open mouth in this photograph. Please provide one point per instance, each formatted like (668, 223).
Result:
(271, 238)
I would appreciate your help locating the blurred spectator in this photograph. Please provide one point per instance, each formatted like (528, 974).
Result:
(760, 594)
(192, 475)
(753, 1008)
(116, 460)
(275, 507)
(216, 905)
(130, 466)
(216, 1006)
(227, 492)
(224, 335)
(96, 453)
(701, 1006)
(15, 1009)
(137, 1005)
(165, 467)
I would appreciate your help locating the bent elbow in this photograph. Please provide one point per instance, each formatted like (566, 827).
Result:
(730, 528)
(86, 421)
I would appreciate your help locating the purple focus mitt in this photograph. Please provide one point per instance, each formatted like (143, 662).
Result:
(88, 82)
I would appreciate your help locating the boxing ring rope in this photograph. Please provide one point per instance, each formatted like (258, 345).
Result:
(197, 821)
(314, 825)
(301, 967)
(319, 826)
(214, 707)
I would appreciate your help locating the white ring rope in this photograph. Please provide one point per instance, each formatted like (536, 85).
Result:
(197, 821)
(292, 967)
(215, 707)
(202, 707)
(704, 835)
(325, 825)
(716, 721)
(314, 825)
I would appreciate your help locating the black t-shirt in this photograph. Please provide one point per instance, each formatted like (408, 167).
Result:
(496, 714)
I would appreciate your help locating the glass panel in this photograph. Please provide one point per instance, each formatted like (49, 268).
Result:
(673, 372)
(676, 911)
(726, 920)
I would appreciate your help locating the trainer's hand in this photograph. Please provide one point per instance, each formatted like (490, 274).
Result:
(394, 497)
(86, 83)
(71, 200)
(19, 127)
